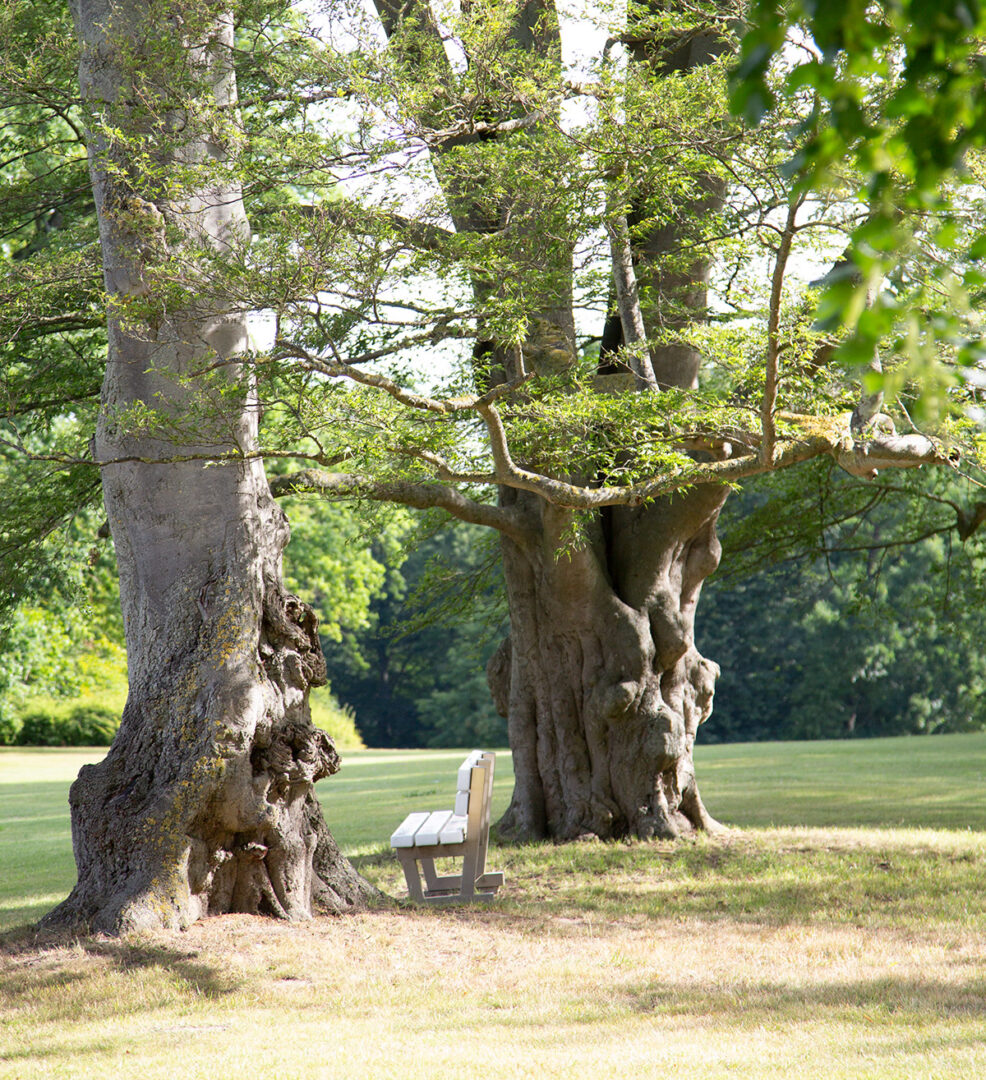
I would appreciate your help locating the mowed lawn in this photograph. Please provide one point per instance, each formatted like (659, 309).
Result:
(838, 929)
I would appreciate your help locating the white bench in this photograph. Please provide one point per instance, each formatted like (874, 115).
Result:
(462, 831)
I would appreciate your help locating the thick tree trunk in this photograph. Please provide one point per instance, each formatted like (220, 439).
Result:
(600, 680)
(205, 802)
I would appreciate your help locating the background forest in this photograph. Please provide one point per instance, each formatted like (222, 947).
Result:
(843, 607)
(848, 609)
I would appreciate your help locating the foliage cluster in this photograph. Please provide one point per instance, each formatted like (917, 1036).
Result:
(366, 275)
(337, 721)
(846, 608)
(415, 675)
(67, 644)
(52, 322)
(331, 563)
(895, 91)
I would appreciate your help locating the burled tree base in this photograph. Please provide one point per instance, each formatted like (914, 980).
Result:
(600, 680)
(205, 803)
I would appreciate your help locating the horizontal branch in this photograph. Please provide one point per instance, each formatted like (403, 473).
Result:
(468, 129)
(863, 456)
(35, 329)
(23, 408)
(868, 456)
(420, 234)
(421, 496)
(822, 436)
(800, 439)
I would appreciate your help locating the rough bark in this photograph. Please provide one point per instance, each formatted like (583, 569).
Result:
(600, 679)
(205, 802)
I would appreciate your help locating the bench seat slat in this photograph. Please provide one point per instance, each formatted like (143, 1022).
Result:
(454, 830)
(405, 832)
(431, 830)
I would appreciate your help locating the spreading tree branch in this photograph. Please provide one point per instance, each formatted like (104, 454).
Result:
(819, 437)
(422, 496)
(768, 403)
(419, 234)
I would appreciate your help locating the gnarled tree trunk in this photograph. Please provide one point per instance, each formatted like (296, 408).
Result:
(205, 802)
(600, 679)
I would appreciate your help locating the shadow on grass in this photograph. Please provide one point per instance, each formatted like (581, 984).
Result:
(20, 921)
(909, 1016)
(549, 888)
(65, 978)
(915, 1002)
(203, 979)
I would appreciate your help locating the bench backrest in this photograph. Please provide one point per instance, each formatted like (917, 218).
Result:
(468, 820)
(476, 776)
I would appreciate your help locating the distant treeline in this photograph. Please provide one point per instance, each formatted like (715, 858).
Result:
(841, 609)
(846, 607)
(415, 675)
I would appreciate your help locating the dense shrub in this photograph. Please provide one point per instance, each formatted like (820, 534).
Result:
(10, 727)
(84, 725)
(338, 721)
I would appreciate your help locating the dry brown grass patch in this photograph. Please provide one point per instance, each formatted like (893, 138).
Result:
(602, 961)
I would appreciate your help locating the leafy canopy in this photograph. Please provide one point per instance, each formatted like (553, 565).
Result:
(896, 89)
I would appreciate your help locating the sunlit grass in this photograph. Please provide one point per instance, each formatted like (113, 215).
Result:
(793, 944)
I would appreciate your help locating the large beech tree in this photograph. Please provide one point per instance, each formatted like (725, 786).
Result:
(420, 188)
(205, 802)
(609, 460)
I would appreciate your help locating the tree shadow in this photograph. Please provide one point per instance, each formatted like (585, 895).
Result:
(916, 1002)
(55, 966)
(742, 884)
(203, 979)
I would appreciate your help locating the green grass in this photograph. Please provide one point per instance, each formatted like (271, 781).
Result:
(835, 931)
(934, 782)
(375, 789)
(917, 783)
(36, 865)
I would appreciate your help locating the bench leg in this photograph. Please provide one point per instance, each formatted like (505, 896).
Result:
(464, 888)
(409, 864)
(435, 883)
(436, 887)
